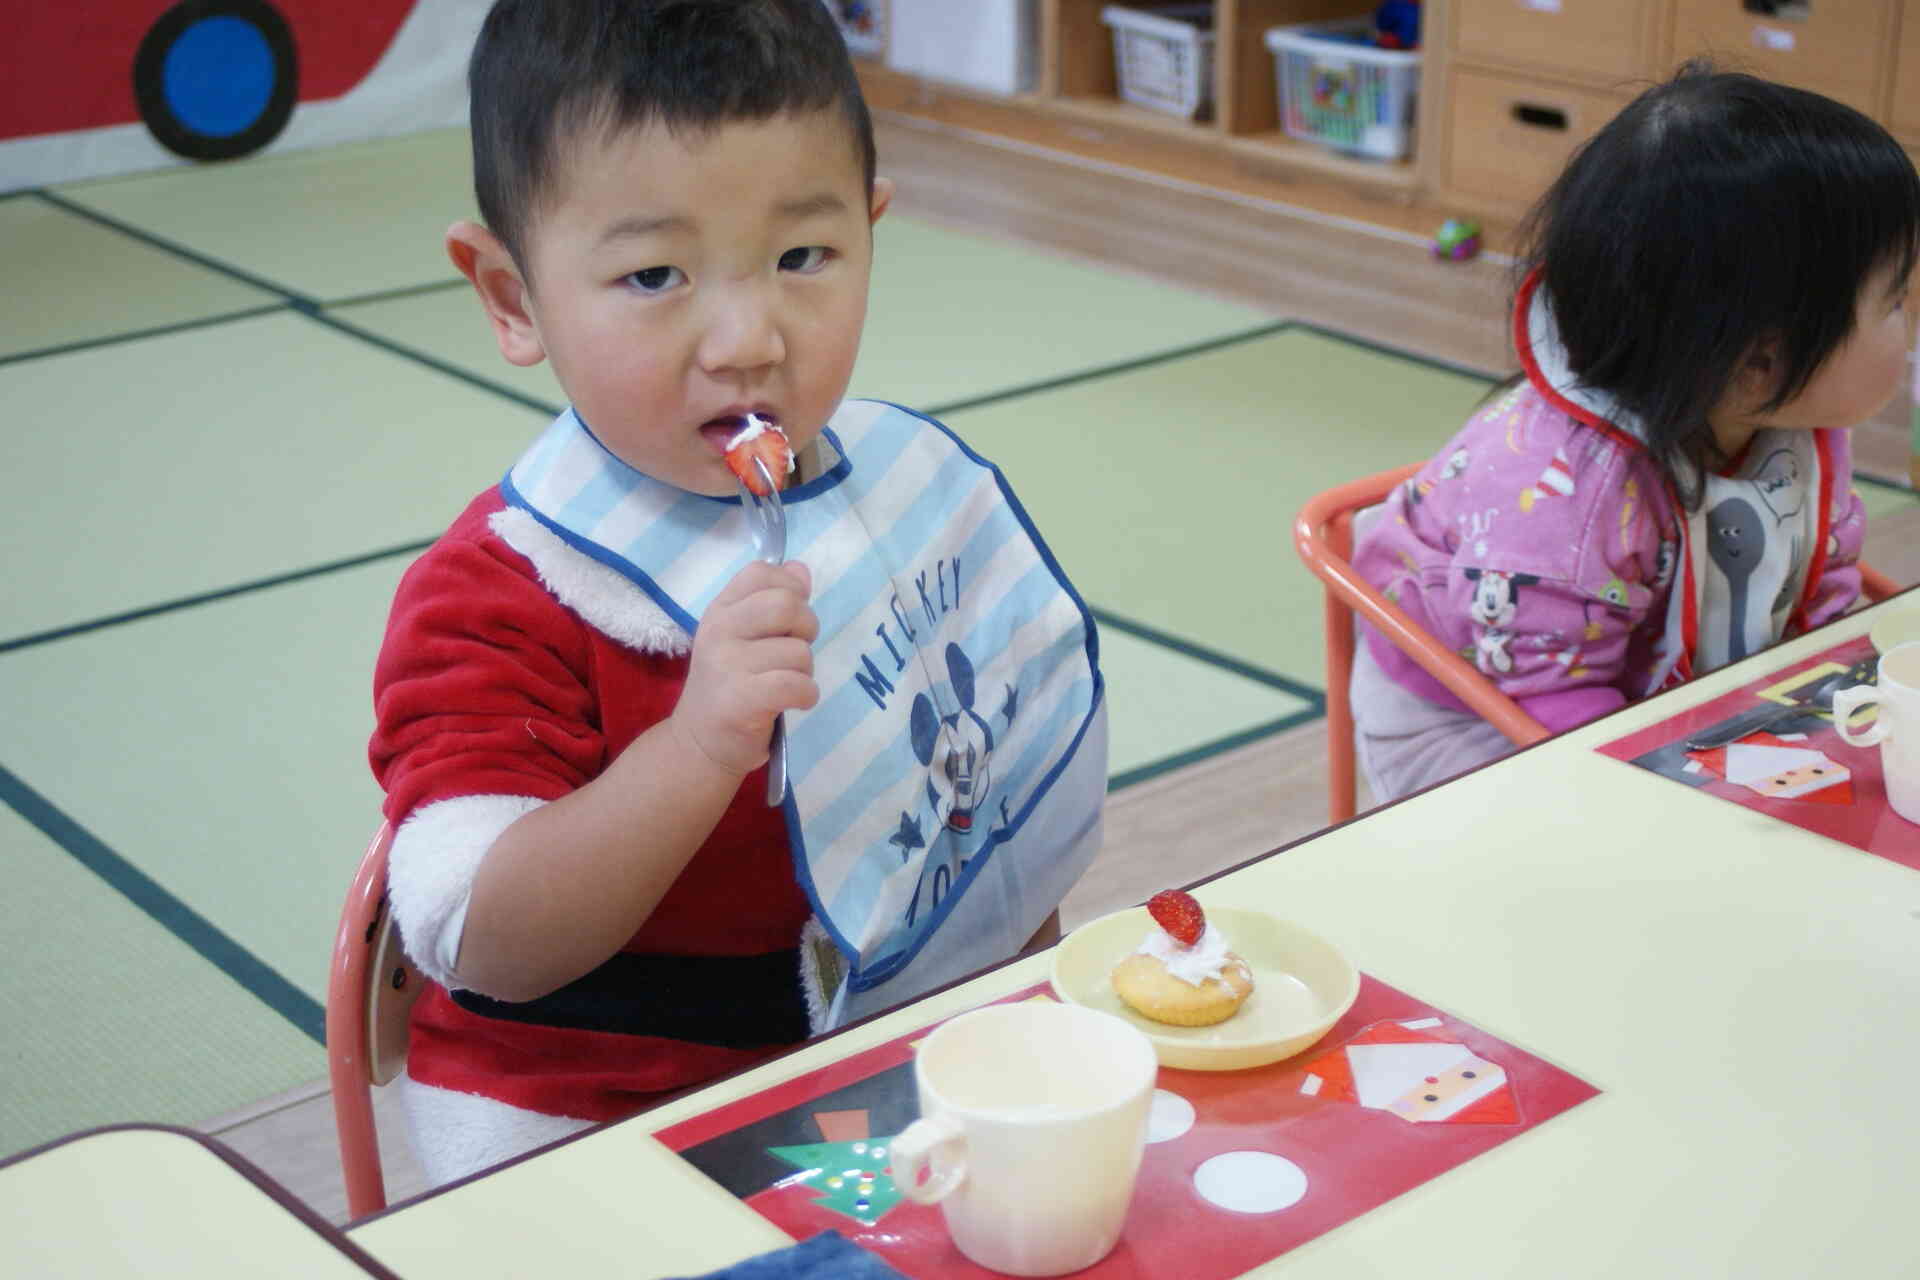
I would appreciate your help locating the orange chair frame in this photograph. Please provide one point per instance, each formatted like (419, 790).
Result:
(371, 987)
(1323, 535)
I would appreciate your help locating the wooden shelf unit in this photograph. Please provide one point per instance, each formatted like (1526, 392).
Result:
(1078, 90)
(1508, 89)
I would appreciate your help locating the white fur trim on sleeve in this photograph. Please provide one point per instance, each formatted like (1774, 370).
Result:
(430, 871)
(607, 601)
(455, 1134)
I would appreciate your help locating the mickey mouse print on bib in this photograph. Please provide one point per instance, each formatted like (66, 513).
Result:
(945, 792)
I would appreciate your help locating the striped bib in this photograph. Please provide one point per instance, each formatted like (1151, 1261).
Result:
(946, 791)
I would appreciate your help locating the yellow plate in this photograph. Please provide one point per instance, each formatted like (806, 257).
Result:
(1301, 986)
(1896, 628)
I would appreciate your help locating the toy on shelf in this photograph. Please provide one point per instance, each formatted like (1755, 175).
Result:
(1458, 241)
(1396, 24)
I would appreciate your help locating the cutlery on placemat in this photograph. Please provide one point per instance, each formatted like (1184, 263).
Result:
(1818, 698)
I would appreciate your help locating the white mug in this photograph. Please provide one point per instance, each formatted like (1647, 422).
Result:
(1896, 729)
(1033, 1118)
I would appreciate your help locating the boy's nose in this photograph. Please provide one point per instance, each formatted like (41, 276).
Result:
(742, 332)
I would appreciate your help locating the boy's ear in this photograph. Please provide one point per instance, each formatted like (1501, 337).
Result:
(882, 197)
(479, 256)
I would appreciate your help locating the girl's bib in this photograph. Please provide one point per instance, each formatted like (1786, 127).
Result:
(1752, 541)
(946, 791)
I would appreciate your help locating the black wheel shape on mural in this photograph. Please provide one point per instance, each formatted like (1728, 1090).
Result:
(217, 79)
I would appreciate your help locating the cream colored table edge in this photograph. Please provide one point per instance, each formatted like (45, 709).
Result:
(1746, 994)
(157, 1201)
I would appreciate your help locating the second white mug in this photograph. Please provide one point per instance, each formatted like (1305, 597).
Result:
(1896, 730)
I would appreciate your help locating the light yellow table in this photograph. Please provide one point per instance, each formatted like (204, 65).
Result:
(1745, 993)
(154, 1201)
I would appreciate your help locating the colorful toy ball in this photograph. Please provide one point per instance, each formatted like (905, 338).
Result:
(1459, 240)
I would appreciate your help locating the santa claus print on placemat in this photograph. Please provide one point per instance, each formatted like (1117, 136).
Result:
(1411, 1070)
(1832, 790)
(1779, 769)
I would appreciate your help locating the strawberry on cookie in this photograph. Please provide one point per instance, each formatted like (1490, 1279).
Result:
(1183, 974)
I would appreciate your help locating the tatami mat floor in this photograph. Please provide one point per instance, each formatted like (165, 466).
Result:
(244, 396)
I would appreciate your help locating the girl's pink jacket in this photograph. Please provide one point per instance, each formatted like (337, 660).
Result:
(1543, 544)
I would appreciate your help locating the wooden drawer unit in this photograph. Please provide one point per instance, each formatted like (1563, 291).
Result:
(1836, 47)
(1602, 38)
(1508, 137)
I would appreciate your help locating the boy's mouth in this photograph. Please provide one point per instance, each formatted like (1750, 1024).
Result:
(720, 432)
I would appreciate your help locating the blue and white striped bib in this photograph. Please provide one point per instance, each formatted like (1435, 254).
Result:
(946, 791)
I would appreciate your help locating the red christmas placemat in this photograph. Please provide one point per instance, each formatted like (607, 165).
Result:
(1795, 769)
(1240, 1166)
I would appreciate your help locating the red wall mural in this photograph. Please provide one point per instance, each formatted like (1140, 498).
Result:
(117, 85)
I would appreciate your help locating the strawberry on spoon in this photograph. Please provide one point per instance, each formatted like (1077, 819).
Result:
(764, 441)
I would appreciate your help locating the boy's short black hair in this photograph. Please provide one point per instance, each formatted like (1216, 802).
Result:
(544, 72)
(1715, 212)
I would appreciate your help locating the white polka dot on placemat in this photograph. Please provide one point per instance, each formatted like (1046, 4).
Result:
(1250, 1182)
(1170, 1116)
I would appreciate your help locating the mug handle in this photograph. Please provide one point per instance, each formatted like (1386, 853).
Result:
(1848, 701)
(935, 1141)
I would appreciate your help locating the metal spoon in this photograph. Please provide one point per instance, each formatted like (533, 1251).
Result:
(1819, 698)
(769, 520)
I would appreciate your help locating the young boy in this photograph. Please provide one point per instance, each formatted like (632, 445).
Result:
(579, 679)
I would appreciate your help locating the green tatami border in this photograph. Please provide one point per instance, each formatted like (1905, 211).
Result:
(208, 940)
(154, 331)
(299, 300)
(1315, 699)
(210, 597)
(1881, 482)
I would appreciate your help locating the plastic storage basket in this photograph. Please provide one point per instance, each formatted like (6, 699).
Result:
(1338, 89)
(1164, 56)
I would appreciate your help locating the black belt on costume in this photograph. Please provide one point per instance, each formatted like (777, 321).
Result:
(736, 1002)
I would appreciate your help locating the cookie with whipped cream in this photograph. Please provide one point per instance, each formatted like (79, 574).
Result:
(1183, 973)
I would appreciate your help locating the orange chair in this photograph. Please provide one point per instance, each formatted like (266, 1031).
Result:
(1875, 585)
(371, 987)
(1323, 535)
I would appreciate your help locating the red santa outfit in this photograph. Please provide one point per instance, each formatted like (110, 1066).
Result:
(514, 670)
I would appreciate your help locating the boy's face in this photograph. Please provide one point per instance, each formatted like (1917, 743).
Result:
(682, 281)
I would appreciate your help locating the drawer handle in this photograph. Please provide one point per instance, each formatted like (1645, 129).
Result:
(1538, 117)
(1787, 10)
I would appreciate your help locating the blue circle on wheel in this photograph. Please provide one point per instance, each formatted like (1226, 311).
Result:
(219, 76)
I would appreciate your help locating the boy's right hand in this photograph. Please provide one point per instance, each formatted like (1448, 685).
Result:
(752, 659)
